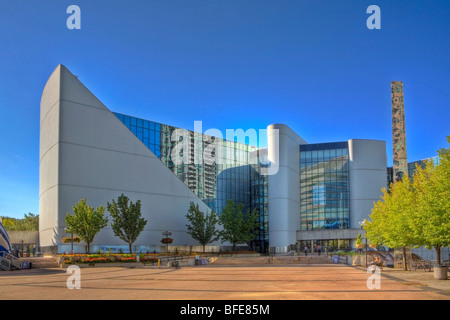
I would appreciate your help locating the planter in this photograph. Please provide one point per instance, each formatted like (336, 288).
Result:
(166, 240)
(440, 272)
(357, 260)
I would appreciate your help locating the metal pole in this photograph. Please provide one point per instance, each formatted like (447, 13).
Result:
(366, 251)
(167, 234)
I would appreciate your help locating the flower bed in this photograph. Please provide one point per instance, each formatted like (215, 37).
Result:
(148, 260)
(97, 260)
(91, 259)
(128, 259)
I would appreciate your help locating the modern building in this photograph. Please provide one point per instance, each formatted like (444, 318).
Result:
(306, 194)
(411, 168)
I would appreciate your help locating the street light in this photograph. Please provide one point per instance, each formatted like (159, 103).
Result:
(67, 230)
(167, 234)
(363, 224)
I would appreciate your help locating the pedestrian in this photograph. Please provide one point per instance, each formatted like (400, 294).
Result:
(306, 250)
(319, 249)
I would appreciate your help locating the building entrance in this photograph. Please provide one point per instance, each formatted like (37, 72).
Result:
(328, 245)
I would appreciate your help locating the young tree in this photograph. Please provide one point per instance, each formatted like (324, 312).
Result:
(391, 218)
(432, 216)
(127, 221)
(86, 222)
(238, 227)
(202, 226)
(415, 213)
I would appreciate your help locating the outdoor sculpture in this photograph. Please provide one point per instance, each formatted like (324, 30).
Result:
(5, 244)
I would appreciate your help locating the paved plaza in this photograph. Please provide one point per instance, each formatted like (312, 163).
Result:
(210, 282)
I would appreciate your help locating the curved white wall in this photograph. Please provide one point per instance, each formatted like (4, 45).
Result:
(284, 187)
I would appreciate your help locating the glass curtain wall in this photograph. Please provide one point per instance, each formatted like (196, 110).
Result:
(324, 186)
(230, 176)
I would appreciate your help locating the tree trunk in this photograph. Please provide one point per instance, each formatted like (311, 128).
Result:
(203, 248)
(130, 246)
(438, 255)
(89, 248)
(405, 266)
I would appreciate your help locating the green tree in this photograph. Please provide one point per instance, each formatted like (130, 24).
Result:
(202, 226)
(391, 218)
(30, 222)
(86, 222)
(127, 221)
(238, 227)
(432, 198)
(417, 212)
(9, 223)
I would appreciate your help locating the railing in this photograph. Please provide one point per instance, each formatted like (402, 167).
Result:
(8, 261)
(421, 264)
(174, 260)
(5, 264)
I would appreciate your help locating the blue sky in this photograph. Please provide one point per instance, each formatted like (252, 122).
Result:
(313, 65)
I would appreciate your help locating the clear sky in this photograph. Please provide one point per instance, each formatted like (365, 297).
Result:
(313, 65)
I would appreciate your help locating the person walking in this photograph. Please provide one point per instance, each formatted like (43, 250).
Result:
(306, 250)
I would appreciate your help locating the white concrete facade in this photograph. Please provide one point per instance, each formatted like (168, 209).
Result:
(86, 152)
(284, 187)
(368, 175)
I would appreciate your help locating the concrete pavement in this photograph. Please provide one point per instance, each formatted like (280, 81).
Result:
(210, 282)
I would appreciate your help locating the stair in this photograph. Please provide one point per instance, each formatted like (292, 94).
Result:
(8, 262)
(43, 262)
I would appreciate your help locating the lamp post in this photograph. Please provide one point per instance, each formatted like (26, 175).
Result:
(363, 224)
(167, 234)
(71, 236)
